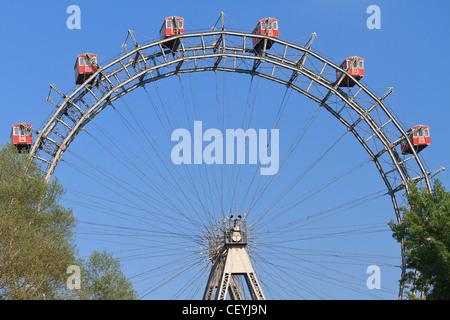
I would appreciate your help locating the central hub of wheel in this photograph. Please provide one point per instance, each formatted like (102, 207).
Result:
(232, 231)
(236, 231)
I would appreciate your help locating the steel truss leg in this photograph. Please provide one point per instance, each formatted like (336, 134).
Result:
(223, 276)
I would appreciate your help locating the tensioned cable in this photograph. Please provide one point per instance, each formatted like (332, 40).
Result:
(325, 276)
(203, 176)
(172, 275)
(303, 273)
(122, 214)
(256, 196)
(188, 174)
(250, 119)
(238, 183)
(300, 177)
(329, 212)
(295, 250)
(123, 185)
(295, 202)
(127, 163)
(159, 154)
(109, 174)
(280, 112)
(285, 280)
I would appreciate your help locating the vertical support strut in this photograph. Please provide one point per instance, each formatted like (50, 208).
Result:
(232, 261)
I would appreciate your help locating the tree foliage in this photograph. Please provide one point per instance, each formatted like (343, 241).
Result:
(37, 240)
(102, 279)
(36, 245)
(425, 232)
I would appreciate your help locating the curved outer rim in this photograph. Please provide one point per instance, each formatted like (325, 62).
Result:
(221, 51)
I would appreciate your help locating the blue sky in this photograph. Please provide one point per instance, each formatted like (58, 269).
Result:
(407, 53)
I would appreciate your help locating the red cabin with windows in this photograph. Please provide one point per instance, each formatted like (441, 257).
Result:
(85, 66)
(21, 136)
(265, 27)
(172, 26)
(419, 137)
(355, 67)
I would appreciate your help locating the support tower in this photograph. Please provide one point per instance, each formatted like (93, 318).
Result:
(232, 260)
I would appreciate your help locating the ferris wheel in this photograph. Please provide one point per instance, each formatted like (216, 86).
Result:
(218, 229)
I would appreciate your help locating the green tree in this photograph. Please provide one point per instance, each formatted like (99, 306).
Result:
(425, 232)
(102, 279)
(36, 245)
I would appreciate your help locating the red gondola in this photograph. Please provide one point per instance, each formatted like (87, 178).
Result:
(85, 66)
(419, 137)
(171, 27)
(269, 27)
(21, 136)
(355, 67)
